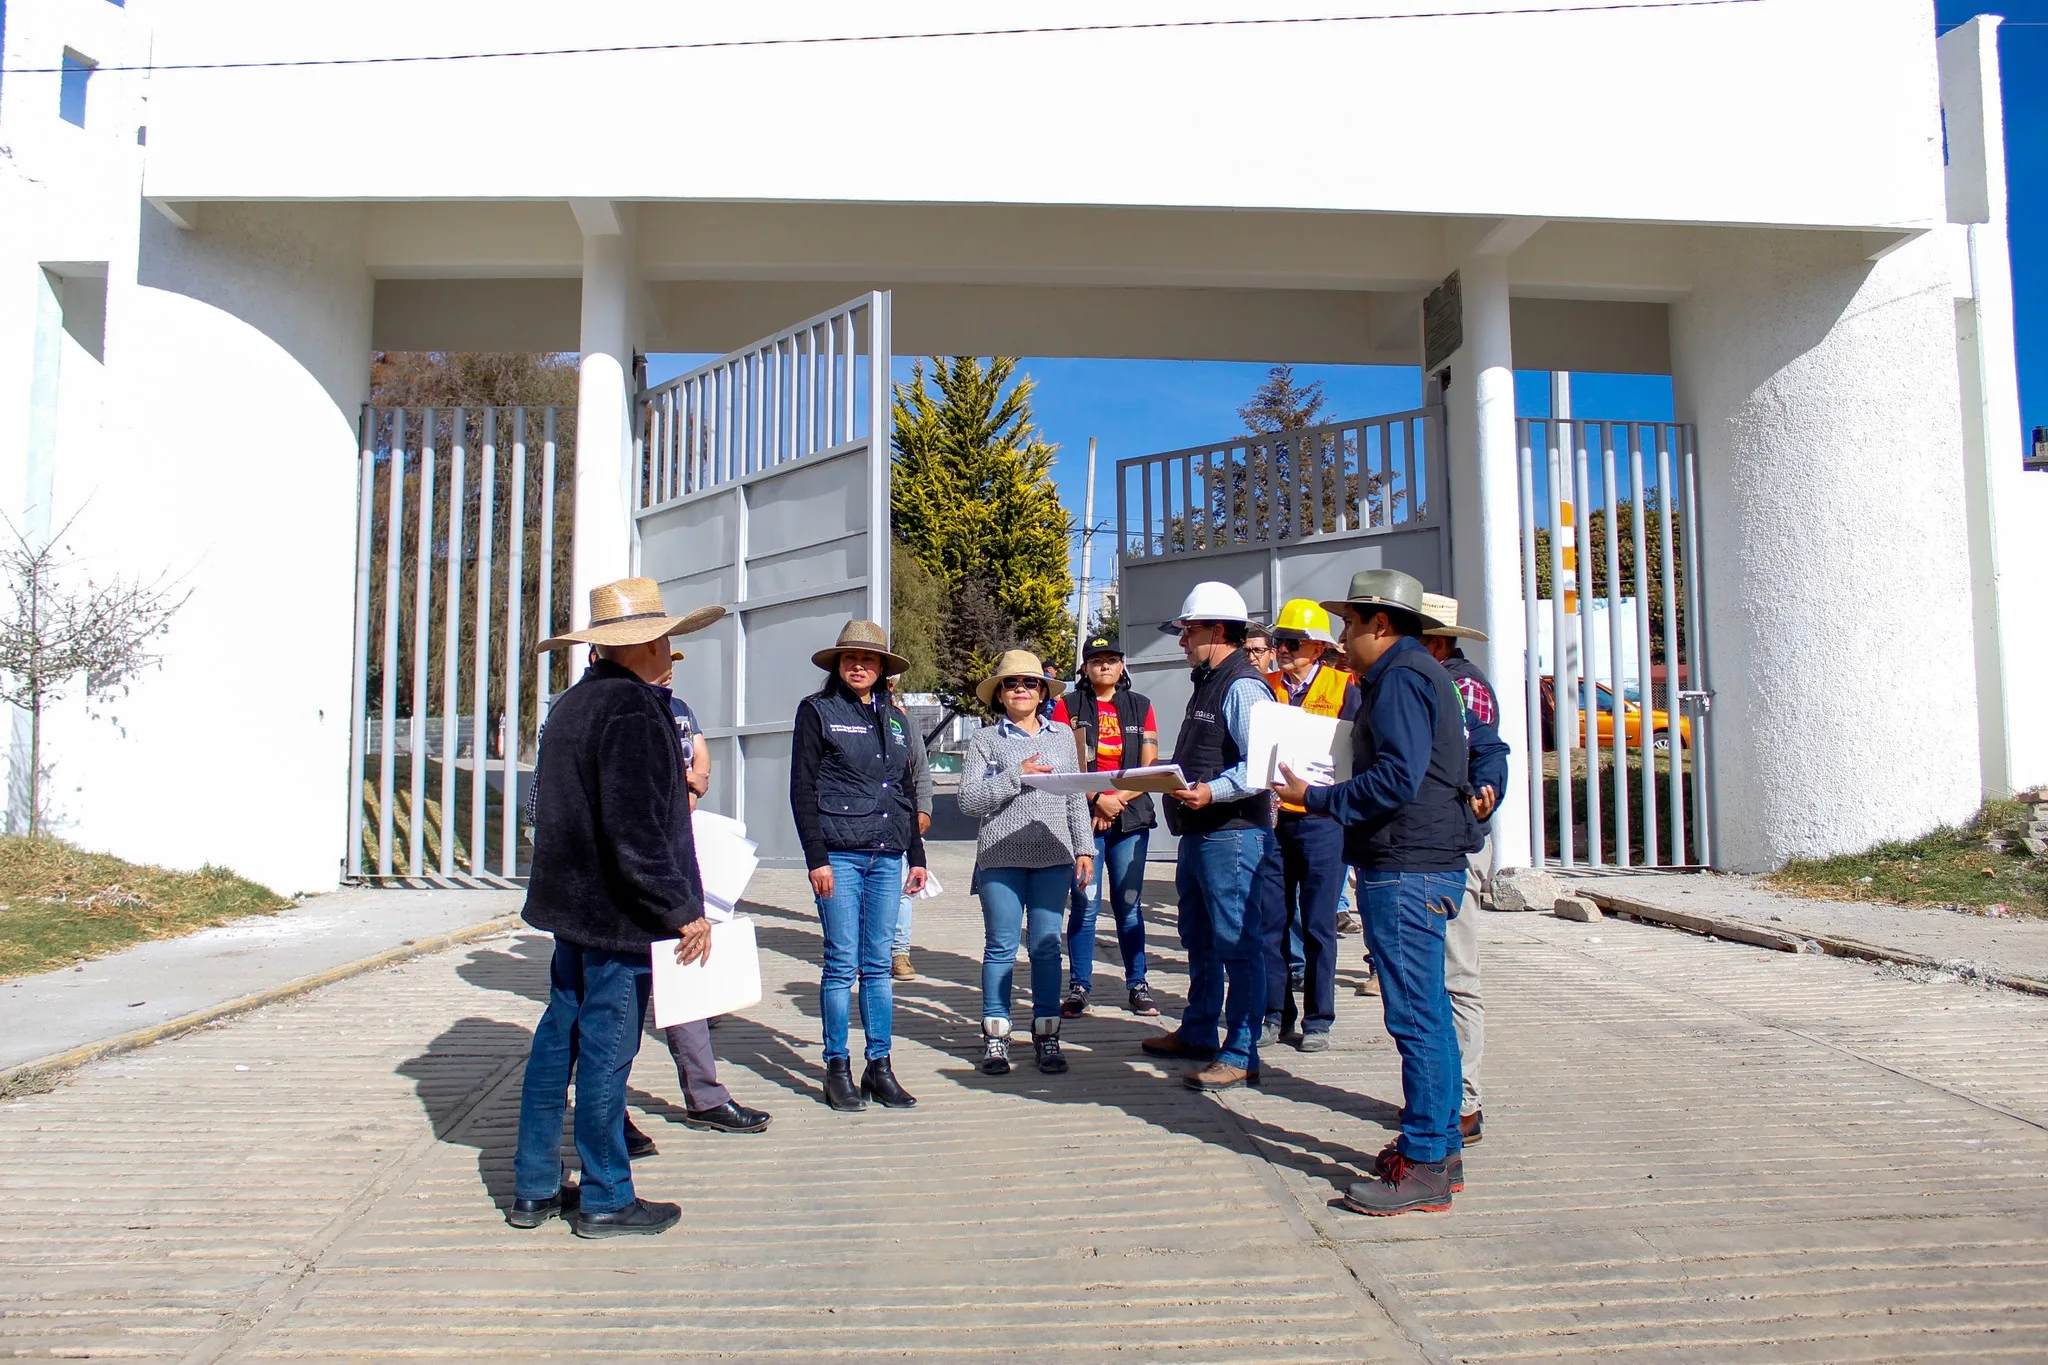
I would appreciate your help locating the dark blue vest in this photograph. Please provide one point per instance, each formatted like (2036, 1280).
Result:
(865, 797)
(1204, 749)
(1435, 831)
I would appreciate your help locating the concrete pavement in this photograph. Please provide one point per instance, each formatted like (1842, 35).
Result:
(1696, 1151)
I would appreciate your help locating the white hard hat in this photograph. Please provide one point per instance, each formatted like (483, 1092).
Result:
(1209, 601)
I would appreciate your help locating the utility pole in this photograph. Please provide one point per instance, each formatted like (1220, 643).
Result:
(1087, 555)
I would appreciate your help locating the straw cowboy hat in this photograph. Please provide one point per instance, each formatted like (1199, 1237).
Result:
(1013, 663)
(1444, 612)
(862, 637)
(629, 612)
(1390, 588)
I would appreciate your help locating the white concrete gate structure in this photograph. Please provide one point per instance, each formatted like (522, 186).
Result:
(764, 488)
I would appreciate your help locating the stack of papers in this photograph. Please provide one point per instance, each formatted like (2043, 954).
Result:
(724, 983)
(726, 861)
(1316, 748)
(1158, 777)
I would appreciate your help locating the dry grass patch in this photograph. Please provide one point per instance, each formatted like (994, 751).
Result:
(60, 904)
(1975, 867)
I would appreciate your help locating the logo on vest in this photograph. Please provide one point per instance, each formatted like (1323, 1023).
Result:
(838, 729)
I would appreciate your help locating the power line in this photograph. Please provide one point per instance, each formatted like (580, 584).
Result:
(1612, 7)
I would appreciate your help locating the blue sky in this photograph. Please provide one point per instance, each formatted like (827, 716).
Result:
(1140, 407)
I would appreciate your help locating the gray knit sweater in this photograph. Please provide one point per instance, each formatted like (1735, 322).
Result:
(1021, 826)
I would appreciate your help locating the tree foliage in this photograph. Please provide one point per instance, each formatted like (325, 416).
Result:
(975, 504)
(917, 619)
(1652, 582)
(61, 630)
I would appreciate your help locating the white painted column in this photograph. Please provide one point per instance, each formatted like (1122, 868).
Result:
(1486, 568)
(602, 550)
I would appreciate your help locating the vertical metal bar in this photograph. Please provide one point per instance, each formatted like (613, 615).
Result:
(810, 390)
(544, 605)
(515, 604)
(659, 415)
(1563, 702)
(1533, 741)
(693, 436)
(422, 614)
(880, 421)
(730, 402)
(1588, 678)
(1145, 491)
(1674, 786)
(387, 759)
(1645, 698)
(1414, 451)
(795, 377)
(1696, 658)
(359, 701)
(1123, 518)
(1187, 501)
(480, 737)
(451, 639)
(847, 408)
(757, 376)
(1616, 703)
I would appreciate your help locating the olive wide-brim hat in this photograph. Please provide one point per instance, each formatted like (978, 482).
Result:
(629, 612)
(862, 637)
(1013, 663)
(1388, 588)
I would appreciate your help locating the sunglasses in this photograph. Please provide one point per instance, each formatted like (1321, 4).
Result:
(1019, 684)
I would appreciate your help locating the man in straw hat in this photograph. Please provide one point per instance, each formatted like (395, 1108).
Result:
(614, 869)
(1489, 778)
(1408, 827)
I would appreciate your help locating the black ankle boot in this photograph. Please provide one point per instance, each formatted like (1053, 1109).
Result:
(878, 1083)
(840, 1091)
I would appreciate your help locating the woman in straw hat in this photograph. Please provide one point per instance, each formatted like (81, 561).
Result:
(853, 794)
(1032, 848)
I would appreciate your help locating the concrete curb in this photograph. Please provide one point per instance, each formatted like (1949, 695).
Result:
(1784, 940)
(44, 1072)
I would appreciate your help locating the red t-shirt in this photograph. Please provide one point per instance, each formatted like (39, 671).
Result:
(1109, 735)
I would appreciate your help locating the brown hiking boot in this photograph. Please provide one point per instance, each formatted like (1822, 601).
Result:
(1170, 1045)
(1455, 1164)
(1221, 1076)
(900, 968)
(1401, 1186)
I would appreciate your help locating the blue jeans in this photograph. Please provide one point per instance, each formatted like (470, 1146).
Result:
(904, 919)
(1404, 915)
(1024, 900)
(1120, 861)
(591, 1026)
(859, 920)
(1220, 926)
(1301, 880)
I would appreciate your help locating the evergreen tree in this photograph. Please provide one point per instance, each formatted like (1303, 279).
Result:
(973, 498)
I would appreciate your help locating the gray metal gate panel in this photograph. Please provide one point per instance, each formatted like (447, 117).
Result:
(764, 488)
(1276, 517)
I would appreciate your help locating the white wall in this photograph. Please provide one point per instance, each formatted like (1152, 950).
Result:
(224, 454)
(1835, 558)
(1795, 111)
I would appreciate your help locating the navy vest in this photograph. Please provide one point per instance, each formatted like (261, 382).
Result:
(865, 797)
(1204, 749)
(1435, 831)
(1130, 718)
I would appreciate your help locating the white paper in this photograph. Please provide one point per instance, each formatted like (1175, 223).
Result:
(1317, 748)
(725, 983)
(1084, 784)
(931, 885)
(726, 861)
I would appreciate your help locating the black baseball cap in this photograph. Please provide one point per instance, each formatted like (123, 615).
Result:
(1101, 644)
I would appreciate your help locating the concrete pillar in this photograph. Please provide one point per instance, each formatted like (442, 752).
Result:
(1834, 552)
(1486, 528)
(603, 547)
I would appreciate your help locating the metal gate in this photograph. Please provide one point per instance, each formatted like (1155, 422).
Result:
(461, 563)
(1618, 715)
(1282, 515)
(764, 488)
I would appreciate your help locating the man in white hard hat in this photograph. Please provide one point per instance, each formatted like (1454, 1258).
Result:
(1225, 826)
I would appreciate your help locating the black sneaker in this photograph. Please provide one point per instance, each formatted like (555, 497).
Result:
(531, 1213)
(995, 1055)
(1076, 1003)
(1401, 1186)
(1141, 1001)
(641, 1218)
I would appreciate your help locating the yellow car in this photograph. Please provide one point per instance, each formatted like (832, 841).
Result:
(1602, 722)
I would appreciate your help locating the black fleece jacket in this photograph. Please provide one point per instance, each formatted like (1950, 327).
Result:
(614, 863)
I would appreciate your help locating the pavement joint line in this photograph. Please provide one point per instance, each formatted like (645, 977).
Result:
(44, 1072)
(1840, 1049)
(1788, 941)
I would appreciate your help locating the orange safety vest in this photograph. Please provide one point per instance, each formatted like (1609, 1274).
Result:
(1325, 697)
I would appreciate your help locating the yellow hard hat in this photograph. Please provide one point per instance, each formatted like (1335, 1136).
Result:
(1302, 618)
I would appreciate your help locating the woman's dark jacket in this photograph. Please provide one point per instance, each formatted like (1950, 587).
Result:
(614, 864)
(852, 785)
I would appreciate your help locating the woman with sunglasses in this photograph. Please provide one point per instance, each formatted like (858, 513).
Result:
(1033, 846)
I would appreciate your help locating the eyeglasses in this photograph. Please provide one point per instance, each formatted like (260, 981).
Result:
(1258, 649)
(1020, 684)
